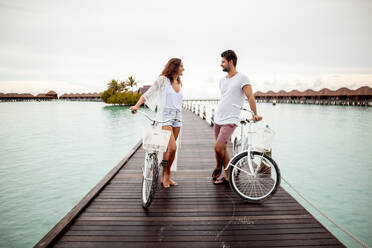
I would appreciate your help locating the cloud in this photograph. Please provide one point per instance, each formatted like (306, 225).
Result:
(87, 43)
(318, 84)
(35, 87)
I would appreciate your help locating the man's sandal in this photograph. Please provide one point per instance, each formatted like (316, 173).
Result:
(216, 173)
(221, 181)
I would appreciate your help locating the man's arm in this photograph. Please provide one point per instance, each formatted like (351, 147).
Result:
(252, 101)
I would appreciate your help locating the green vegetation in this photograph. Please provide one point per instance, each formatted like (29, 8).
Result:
(118, 92)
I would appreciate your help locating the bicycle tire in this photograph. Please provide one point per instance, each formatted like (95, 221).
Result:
(149, 188)
(263, 179)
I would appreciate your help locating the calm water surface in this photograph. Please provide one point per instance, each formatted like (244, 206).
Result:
(53, 153)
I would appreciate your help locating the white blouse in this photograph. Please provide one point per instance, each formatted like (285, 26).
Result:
(173, 98)
(156, 99)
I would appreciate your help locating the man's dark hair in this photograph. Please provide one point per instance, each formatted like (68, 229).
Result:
(230, 55)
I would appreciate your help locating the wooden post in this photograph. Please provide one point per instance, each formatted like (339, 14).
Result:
(212, 118)
(204, 113)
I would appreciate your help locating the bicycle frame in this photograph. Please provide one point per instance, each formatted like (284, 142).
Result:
(246, 142)
(154, 123)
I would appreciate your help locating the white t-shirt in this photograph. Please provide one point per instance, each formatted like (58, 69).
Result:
(231, 93)
(173, 98)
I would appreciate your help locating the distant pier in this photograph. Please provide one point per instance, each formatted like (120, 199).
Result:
(342, 96)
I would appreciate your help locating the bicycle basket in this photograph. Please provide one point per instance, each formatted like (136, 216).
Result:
(263, 139)
(156, 139)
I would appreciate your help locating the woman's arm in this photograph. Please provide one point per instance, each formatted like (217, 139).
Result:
(148, 96)
(138, 104)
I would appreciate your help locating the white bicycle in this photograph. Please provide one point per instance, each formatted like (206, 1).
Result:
(254, 176)
(155, 141)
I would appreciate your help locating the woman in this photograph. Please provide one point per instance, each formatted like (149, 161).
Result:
(166, 95)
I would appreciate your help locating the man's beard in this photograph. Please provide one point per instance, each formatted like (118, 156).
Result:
(225, 69)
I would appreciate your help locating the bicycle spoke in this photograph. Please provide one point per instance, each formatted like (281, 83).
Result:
(254, 187)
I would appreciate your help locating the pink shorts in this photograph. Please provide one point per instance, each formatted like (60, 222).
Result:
(222, 133)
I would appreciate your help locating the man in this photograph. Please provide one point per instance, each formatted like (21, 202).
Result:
(233, 88)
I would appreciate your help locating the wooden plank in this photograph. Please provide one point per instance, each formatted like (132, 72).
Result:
(186, 238)
(192, 218)
(192, 227)
(212, 244)
(197, 222)
(214, 232)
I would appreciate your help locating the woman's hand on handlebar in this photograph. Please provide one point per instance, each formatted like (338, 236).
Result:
(257, 118)
(133, 109)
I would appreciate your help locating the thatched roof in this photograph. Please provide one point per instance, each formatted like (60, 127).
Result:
(258, 93)
(309, 92)
(81, 95)
(51, 93)
(42, 95)
(362, 91)
(282, 93)
(295, 93)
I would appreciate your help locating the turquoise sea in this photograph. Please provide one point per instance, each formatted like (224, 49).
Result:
(53, 153)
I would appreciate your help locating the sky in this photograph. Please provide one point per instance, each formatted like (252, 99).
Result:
(75, 46)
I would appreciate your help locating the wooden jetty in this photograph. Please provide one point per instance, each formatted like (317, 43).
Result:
(194, 214)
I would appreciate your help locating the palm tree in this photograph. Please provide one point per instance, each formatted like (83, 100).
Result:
(123, 86)
(113, 86)
(131, 82)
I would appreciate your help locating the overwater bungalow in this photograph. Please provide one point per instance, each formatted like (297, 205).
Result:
(343, 96)
(143, 89)
(81, 96)
(15, 97)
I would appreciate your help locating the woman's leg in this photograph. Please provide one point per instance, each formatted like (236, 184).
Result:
(176, 131)
(168, 156)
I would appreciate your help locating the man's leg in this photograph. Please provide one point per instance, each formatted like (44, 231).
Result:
(226, 161)
(219, 157)
(222, 155)
(220, 149)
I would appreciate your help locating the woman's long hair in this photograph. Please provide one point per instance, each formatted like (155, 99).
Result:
(171, 68)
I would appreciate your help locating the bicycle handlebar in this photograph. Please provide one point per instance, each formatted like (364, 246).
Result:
(242, 108)
(248, 110)
(153, 120)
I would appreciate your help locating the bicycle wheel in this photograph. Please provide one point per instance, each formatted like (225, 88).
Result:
(149, 179)
(256, 187)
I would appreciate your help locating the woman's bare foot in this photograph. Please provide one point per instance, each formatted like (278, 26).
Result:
(166, 184)
(173, 183)
(162, 177)
(165, 180)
